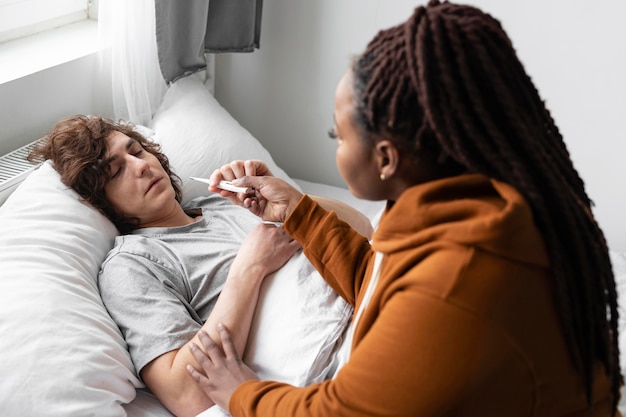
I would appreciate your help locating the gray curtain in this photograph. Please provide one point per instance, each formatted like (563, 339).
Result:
(186, 29)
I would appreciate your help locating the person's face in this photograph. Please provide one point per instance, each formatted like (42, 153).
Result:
(138, 186)
(354, 156)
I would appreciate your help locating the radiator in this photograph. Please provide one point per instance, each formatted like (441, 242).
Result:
(14, 168)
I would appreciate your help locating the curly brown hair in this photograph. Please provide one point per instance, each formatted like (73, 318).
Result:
(76, 147)
(448, 81)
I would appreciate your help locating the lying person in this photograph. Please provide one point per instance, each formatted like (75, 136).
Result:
(174, 270)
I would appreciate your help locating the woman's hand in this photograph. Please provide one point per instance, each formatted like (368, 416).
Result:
(272, 198)
(236, 169)
(223, 370)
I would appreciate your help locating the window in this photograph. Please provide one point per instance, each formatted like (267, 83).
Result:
(39, 34)
(19, 18)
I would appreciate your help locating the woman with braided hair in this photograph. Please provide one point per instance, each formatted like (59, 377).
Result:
(487, 287)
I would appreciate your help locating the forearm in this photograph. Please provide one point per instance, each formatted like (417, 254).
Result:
(235, 308)
(167, 375)
(335, 249)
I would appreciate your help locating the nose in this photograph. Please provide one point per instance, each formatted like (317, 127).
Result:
(139, 165)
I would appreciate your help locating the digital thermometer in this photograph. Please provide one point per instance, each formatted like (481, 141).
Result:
(225, 185)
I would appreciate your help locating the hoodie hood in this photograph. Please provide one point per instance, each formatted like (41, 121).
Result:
(471, 210)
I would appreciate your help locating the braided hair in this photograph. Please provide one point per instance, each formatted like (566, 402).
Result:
(449, 80)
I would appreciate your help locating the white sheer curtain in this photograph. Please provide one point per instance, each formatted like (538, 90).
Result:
(127, 31)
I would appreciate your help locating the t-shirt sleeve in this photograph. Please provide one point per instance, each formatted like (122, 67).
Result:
(151, 313)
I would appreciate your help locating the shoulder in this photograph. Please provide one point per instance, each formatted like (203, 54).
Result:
(128, 247)
(136, 255)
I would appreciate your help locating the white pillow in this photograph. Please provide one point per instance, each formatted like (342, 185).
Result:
(297, 326)
(61, 354)
(198, 135)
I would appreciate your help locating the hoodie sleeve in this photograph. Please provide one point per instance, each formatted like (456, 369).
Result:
(337, 251)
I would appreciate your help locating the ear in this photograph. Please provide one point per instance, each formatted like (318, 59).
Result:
(387, 157)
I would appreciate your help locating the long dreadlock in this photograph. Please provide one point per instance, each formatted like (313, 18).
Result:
(449, 77)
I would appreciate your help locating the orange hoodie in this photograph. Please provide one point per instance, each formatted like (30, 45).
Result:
(462, 321)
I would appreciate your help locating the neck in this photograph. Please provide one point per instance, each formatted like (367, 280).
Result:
(174, 218)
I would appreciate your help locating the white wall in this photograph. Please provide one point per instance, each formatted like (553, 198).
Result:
(574, 50)
(30, 106)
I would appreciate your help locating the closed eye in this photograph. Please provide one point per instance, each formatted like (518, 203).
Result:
(136, 149)
(116, 173)
(332, 133)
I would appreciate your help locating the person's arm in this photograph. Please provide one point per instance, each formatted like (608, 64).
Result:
(263, 251)
(282, 192)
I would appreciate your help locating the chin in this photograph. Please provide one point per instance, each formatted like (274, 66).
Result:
(355, 192)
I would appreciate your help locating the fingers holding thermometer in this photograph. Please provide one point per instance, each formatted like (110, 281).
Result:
(244, 192)
(228, 186)
(268, 197)
(221, 181)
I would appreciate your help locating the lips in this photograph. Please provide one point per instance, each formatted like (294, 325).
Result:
(152, 184)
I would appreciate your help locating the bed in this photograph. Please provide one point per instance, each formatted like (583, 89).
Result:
(62, 355)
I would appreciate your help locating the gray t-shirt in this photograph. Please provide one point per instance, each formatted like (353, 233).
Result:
(160, 284)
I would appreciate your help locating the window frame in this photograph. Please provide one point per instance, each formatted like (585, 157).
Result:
(22, 18)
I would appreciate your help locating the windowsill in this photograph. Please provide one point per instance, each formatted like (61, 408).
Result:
(25, 56)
